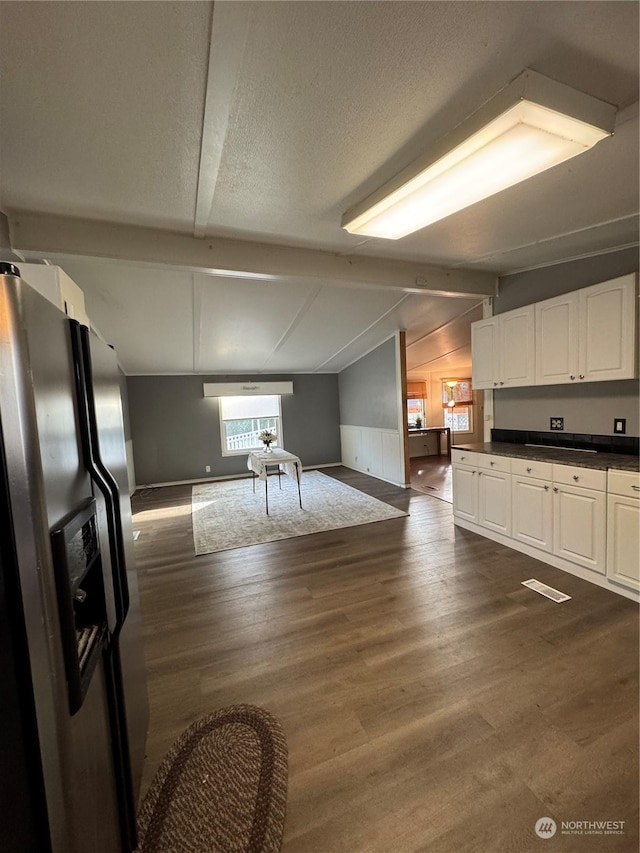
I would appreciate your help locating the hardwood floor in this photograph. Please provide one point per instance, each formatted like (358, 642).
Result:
(432, 475)
(430, 702)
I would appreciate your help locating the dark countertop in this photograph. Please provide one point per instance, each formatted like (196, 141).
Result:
(559, 455)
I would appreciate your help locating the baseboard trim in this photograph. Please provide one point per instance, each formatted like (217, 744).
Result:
(376, 476)
(549, 559)
(144, 486)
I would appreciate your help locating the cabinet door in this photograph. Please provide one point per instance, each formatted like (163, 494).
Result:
(517, 347)
(623, 535)
(465, 492)
(556, 324)
(579, 526)
(607, 330)
(532, 512)
(494, 501)
(485, 353)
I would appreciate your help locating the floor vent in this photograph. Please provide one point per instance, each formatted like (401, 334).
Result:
(548, 591)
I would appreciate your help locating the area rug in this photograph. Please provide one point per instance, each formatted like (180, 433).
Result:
(222, 788)
(229, 514)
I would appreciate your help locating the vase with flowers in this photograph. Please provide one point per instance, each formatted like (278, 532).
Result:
(267, 438)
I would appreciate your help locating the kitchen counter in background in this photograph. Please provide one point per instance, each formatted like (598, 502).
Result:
(559, 455)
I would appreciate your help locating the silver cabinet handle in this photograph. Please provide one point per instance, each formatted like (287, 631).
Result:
(462, 458)
(492, 464)
(573, 377)
(576, 478)
(582, 376)
(546, 488)
(479, 473)
(555, 488)
(495, 383)
(473, 472)
(502, 383)
(636, 488)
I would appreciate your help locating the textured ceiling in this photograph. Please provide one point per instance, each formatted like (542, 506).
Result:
(264, 121)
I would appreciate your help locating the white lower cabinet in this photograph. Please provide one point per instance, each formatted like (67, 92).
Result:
(579, 526)
(580, 516)
(465, 492)
(532, 512)
(560, 513)
(623, 528)
(482, 490)
(494, 494)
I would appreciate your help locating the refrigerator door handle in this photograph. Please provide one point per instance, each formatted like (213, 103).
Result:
(121, 755)
(98, 472)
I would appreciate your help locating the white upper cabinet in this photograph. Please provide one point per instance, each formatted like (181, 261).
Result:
(606, 337)
(557, 340)
(503, 350)
(517, 347)
(587, 335)
(485, 353)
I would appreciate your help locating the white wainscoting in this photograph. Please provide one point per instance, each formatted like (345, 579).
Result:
(377, 452)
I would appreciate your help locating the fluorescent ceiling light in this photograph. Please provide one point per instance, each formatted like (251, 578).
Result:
(504, 143)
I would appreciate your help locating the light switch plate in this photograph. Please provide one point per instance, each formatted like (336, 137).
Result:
(556, 423)
(620, 425)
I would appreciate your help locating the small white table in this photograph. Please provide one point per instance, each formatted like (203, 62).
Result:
(260, 460)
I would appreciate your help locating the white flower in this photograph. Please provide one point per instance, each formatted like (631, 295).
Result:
(267, 436)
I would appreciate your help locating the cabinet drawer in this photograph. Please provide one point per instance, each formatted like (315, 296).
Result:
(464, 456)
(588, 478)
(529, 468)
(494, 463)
(626, 483)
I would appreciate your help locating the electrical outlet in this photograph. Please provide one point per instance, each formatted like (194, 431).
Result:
(556, 423)
(207, 468)
(620, 425)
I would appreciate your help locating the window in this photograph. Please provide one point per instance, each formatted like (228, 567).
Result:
(457, 400)
(242, 419)
(415, 409)
(459, 419)
(416, 395)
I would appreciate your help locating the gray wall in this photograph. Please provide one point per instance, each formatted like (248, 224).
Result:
(535, 285)
(588, 408)
(369, 389)
(176, 430)
(125, 405)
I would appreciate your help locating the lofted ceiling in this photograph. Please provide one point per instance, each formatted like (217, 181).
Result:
(188, 165)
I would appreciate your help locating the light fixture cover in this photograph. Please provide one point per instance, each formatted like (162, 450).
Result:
(532, 125)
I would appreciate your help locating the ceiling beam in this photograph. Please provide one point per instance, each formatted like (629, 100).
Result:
(227, 43)
(52, 237)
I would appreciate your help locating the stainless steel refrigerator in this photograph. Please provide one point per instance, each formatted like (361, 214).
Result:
(73, 699)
